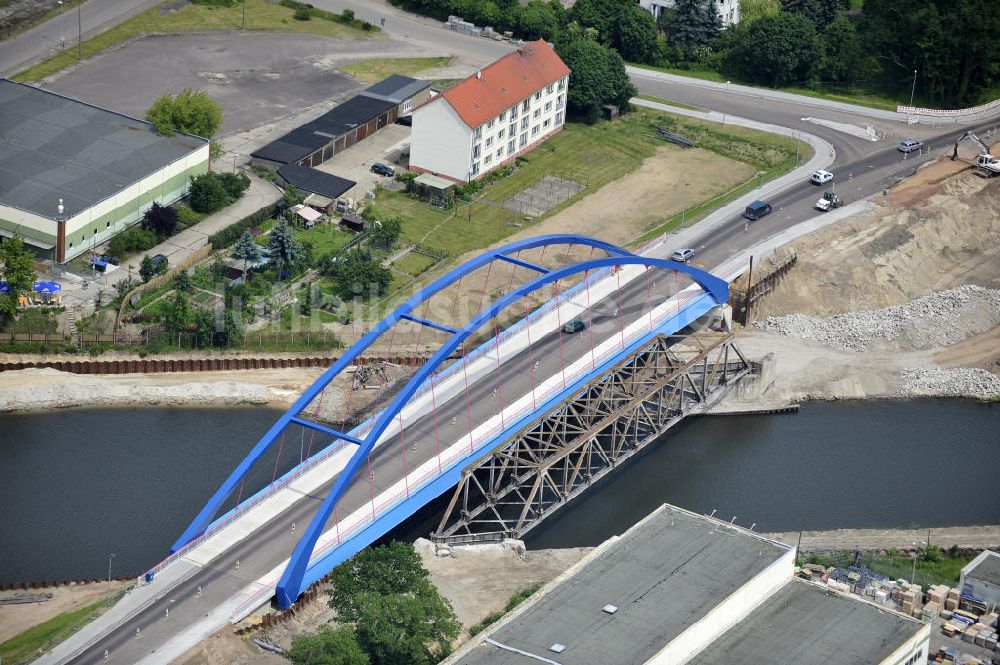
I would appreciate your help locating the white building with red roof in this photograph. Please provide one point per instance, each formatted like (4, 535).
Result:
(487, 120)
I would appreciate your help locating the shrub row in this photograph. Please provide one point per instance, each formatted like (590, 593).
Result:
(231, 233)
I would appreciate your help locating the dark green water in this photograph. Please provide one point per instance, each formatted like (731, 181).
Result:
(79, 484)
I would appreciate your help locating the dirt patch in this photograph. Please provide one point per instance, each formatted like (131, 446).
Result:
(15, 619)
(982, 351)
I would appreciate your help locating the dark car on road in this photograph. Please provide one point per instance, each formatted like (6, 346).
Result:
(574, 326)
(757, 209)
(382, 169)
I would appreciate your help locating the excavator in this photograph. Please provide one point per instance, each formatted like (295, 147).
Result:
(986, 164)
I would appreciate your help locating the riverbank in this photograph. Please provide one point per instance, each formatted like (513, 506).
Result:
(967, 539)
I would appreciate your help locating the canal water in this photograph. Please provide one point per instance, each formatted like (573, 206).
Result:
(80, 484)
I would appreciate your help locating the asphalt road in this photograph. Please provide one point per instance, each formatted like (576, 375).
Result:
(47, 39)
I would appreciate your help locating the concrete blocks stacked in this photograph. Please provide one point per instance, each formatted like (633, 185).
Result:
(951, 602)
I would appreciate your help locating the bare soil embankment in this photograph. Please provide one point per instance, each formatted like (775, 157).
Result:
(897, 301)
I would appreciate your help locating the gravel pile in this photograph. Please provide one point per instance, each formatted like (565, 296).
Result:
(956, 382)
(940, 319)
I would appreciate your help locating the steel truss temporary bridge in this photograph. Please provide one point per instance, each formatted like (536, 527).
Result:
(526, 478)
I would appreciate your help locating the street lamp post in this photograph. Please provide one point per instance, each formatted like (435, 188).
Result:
(79, 31)
(110, 557)
(684, 203)
(913, 89)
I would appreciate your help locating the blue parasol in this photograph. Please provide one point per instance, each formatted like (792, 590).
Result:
(47, 287)
(5, 287)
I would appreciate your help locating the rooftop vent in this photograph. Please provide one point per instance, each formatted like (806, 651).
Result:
(479, 73)
(609, 609)
(557, 648)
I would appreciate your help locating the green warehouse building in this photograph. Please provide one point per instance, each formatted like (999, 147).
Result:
(73, 175)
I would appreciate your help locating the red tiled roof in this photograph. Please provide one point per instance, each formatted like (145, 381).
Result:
(509, 80)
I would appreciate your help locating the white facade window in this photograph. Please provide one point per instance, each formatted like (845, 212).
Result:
(548, 106)
(562, 83)
(559, 118)
(475, 168)
(524, 123)
(524, 140)
(407, 106)
(510, 147)
(559, 102)
(512, 129)
(489, 141)
(538, 95)
(534, 131)
(487, 159)
(538, 112)
(475, 151)
(549, 88)
(524, 106)
(479, 133)
(546, 123)
(499, 153)
(489, 125)
(500, 134)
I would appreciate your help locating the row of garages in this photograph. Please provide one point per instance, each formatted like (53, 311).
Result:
(345, 125)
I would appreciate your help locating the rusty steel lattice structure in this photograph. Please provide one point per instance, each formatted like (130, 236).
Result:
(527, 478)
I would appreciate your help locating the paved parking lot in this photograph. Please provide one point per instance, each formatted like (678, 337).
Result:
(355, 162)
(256, 78)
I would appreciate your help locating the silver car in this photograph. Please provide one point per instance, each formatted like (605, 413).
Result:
(682, 255)
(909, 145)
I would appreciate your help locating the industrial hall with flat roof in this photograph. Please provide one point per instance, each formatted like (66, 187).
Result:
(73, 175)
(685, 588)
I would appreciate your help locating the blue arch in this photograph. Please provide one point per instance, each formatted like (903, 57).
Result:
(290, 585)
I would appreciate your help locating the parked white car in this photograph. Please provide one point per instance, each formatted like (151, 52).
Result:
(821, 177)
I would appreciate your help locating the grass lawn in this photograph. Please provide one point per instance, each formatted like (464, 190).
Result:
(326, 239)
(670, 102)
(373, 71)
(858, 96)
(607, 151)
(414, 263)
(45, 635)
(261, 15)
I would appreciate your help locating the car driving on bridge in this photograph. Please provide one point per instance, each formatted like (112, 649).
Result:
(574, 326)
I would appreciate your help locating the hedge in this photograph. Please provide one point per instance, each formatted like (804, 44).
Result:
(232, 233)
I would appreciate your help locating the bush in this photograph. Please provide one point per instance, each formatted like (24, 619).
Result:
(301, 14)
(234, 183)
(186, 217)
(207, 193)
(130, 241)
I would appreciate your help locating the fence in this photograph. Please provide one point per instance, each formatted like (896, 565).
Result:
(974, 113)
(160, 280)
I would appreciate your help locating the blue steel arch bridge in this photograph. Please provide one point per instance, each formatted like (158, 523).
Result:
(568, 363)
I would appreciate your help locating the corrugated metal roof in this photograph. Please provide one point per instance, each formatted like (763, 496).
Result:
(313, 135)
(396, 88)
(311, 180)
(53, 147)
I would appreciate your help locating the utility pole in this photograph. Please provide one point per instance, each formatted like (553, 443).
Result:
(914, 88)
(108, 601)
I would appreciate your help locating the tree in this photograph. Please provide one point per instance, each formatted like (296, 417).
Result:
(328, 646)
(234, 183)
(535, 20)
(820, 13)
(183, 283)
(415, 627)
(161, 220)
(246, 250)
(776, 51)
(204, 327)
(598, 77)
(147, 269)
(190, 112)
(207, 193)
(622, 25)
(178, 314)
(282, 246)
(384, 570)
(359, 274)
(386, 232)
(843, 57)
(693, 24)
(17, 269)
(751, 10)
